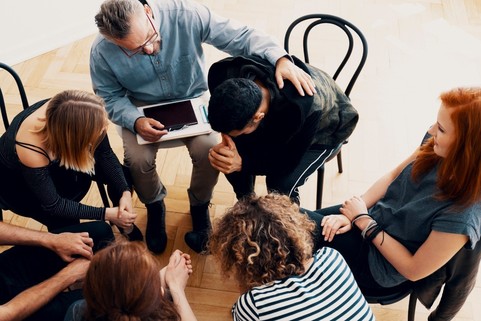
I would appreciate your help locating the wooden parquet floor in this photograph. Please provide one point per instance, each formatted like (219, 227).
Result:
(417, 49)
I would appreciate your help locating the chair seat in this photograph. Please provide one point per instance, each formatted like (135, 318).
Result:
(386, 296)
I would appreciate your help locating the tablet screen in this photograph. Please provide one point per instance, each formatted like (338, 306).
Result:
(173, 115)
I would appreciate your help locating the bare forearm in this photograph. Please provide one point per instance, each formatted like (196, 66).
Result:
(31, 300)
(436, 251)
(399, 257)
(379, 188)
(15, 235)
(182, 305)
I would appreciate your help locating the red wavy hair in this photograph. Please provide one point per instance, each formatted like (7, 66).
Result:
(459, 173)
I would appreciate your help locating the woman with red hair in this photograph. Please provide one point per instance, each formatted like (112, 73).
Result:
(123, 283)
(414, 219)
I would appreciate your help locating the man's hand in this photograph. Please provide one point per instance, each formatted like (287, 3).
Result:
(224, 156)
(285, 69)
(149, 129)
(67, 245)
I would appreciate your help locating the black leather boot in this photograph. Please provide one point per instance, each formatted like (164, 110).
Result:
(155, 235)
(197, 239)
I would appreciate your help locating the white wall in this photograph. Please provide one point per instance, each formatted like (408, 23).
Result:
(29, 28)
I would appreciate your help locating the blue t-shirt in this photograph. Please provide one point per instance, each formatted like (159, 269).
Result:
(409, 212)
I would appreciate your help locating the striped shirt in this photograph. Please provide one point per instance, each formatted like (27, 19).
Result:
(326, 291)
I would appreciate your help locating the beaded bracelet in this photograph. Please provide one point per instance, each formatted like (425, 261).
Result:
(357, 217)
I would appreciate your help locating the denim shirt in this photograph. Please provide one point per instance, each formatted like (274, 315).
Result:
(178, 71)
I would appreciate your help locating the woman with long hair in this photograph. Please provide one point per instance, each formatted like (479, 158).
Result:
(47, 158)
(414, 219)
(123, 283)
(266, 244)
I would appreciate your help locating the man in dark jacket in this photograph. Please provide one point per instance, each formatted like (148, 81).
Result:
(271, 131)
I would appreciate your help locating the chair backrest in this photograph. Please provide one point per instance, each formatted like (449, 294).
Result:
(21, 91)
(350, 30)
(3, 106)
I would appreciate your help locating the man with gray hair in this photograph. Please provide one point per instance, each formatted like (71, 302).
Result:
(152, 52)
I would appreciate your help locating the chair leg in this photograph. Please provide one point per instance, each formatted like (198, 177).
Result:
(320, 186)
(339, 161)
(413, 299)
(103, 194)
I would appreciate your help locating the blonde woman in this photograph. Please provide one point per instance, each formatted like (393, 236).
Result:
(266, 244)
(47, 157)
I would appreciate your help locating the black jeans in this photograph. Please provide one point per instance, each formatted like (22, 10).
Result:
(22, 267)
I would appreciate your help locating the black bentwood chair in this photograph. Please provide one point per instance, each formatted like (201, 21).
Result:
(355, 39)
(6, 123)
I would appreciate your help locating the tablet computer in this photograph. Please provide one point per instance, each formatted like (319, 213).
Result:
(174, 115)
(184, 118)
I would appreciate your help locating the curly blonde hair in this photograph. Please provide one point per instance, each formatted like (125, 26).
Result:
(262, 239)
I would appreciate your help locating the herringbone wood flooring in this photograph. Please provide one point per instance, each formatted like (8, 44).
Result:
(416, 50)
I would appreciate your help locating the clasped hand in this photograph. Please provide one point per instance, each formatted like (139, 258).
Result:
(174, 275)
(224, 156)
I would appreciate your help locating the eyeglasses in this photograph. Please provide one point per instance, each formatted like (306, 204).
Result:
(148, 42)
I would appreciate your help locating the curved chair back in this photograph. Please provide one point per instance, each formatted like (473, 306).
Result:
(21, 91)
(3, 106)
(354, 38)
(350, 30)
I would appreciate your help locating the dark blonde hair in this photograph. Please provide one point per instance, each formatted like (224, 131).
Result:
(459, 173)
(262, 239)
(75, 124)
(123, 284)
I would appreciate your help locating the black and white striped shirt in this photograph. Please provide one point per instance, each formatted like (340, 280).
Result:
(326, 291)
